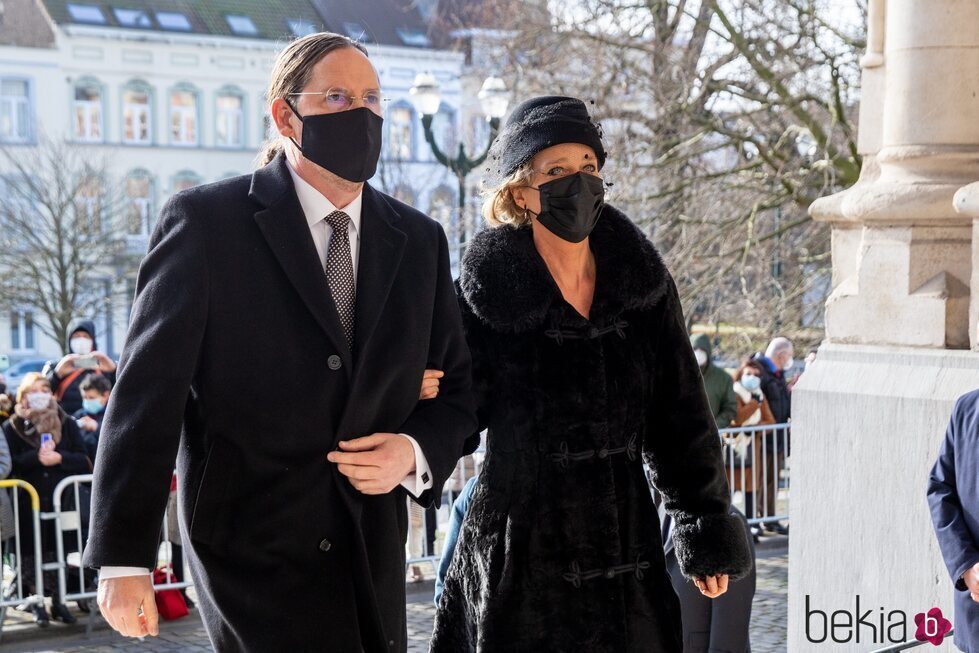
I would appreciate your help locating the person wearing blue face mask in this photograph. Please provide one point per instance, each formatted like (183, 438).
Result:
(95, 395)
(753, 410)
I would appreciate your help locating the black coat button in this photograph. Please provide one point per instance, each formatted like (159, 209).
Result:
(603, 453)
(610, 573)
(334, 362)
(325, 545)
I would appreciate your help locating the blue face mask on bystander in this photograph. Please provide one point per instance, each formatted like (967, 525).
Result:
(92, 406)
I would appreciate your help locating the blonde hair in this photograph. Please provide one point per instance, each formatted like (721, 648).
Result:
(499, 207)
(292, 70)
(27, 382)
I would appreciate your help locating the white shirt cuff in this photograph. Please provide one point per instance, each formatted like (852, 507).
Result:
(118, 572)
(421, 479)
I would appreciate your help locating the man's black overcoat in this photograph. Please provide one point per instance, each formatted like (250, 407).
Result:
(236, 365)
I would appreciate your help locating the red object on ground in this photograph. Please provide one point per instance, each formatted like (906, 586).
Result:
(169, 603)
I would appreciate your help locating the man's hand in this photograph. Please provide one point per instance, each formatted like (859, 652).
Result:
(712, 586)
(430, 384)
(375, 464)
(120, 600)
(88, 423)
(106, 364)
(971, 578)
(66, 365)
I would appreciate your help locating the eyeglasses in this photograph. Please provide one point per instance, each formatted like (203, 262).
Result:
(340, 99)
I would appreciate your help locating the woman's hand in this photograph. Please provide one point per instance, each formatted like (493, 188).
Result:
(430, 384)
(49, 457)
(712, 586)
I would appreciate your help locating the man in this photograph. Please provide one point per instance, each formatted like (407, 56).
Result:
(291, 508)
(717, 382)
(66, 377)
(95, 396)
(953, 497)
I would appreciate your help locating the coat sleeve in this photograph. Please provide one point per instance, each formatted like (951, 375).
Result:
(441, 425)
(683, 450)
(6, 462)
(143, 421)
(959, 549)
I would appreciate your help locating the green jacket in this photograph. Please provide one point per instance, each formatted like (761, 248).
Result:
(719, 385)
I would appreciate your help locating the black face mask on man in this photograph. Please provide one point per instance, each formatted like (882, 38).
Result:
(571, 205)
(347, 143)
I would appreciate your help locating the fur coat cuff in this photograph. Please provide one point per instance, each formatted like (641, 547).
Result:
(711, 545)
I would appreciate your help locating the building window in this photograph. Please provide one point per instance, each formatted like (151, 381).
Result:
(88, 206)
(139, 204)
(173, 21)
(356, 31)
(183, 117)
(22, 331)
(86, 14)
(186, 179)
(88, 112)
(413, 37)
(301, 27)
(136, 116)
(132, 17)
(15, 110)
(241, 25)
(400, 120)
(230, 114)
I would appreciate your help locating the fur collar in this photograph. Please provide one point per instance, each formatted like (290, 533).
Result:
(507, 284)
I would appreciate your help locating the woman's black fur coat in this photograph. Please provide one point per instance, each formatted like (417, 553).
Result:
(561, 548)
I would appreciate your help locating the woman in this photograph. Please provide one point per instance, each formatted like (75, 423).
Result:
(753, 410)
(43, 464)
(582, 369)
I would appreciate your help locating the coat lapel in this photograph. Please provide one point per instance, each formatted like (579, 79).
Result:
(381, 247)
(287, 232)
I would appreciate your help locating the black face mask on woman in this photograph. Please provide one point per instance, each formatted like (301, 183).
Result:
(571, 205)
(347, 143)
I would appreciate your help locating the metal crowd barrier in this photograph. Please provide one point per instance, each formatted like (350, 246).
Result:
(81, 586)
(11, 559)
(75, 583)
(755, 462)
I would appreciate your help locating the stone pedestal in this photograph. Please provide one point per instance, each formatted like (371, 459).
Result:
(901, 334)
(867, 424)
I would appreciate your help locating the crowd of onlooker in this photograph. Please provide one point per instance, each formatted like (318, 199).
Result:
(756, 393)
(51, 424)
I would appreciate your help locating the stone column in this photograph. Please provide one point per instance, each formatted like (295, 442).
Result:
(870, 413)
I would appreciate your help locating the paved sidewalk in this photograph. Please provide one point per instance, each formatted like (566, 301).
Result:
(768, 623)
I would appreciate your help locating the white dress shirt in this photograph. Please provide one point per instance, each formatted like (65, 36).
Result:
(316, 207)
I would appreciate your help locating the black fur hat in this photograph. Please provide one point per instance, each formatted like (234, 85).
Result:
(539, 123)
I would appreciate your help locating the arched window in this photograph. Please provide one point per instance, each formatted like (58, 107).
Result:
(444, 128)
(138, 208)
(89, 196)
(184, 117)
(137, 113)
(441, 205)
(400, 136)
(186, 179)
(229, 127)
(87, 114)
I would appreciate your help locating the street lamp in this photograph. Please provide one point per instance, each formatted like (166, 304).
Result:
(493, 98)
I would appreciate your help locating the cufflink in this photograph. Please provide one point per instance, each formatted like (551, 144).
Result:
(425, 477)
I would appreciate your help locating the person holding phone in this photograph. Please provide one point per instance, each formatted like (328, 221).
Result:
(45, 447)
(84, 360)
